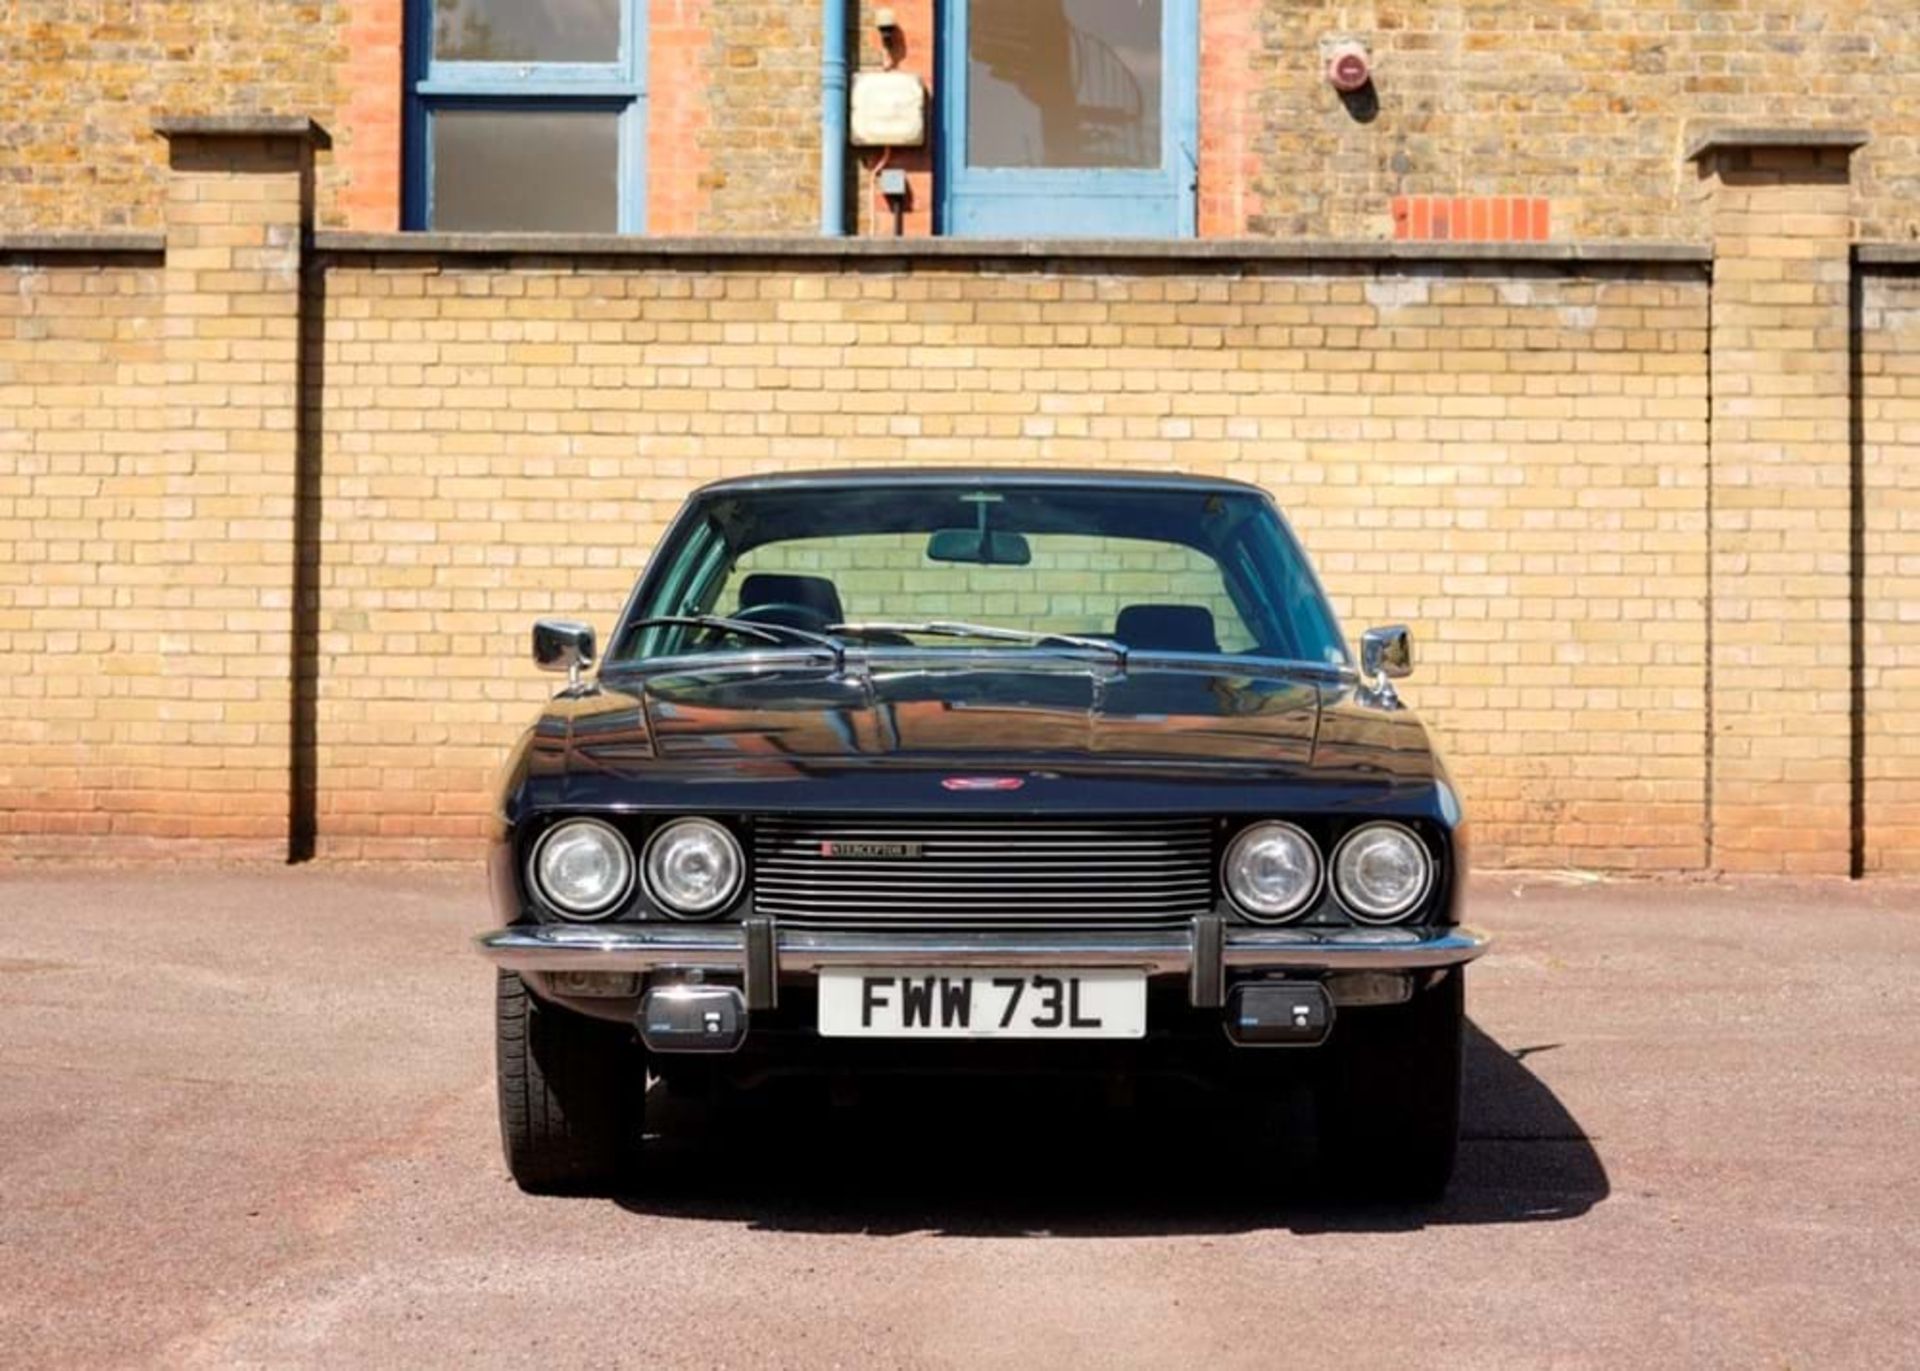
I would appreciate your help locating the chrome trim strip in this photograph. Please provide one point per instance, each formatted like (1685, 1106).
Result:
(641, 947)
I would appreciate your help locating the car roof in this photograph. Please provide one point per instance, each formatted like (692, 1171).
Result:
(892, 477)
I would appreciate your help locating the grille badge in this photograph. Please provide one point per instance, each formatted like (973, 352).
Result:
(981, 783)
(870, 851)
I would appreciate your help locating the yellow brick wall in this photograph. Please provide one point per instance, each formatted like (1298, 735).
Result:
(1512, 460)
(1781, 510)
(1890, 411)
(83, 469)
(148, 423)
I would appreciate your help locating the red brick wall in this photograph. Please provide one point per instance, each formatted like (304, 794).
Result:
(1227, 199)
(367, 137)
(913, 51)
(1472, 218)
(678, 183)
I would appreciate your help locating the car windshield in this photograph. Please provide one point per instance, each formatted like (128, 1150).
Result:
(968, 566)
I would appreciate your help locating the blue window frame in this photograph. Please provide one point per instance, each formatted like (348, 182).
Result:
(502, 140)
(1070, 118)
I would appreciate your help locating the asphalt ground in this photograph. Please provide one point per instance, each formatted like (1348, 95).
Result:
(247, 1117)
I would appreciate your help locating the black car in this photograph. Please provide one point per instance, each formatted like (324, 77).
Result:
(978, 769)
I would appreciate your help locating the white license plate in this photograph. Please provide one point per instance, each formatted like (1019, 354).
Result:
(982, 1002)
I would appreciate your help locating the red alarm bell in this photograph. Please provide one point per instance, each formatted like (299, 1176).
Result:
(1348, 67)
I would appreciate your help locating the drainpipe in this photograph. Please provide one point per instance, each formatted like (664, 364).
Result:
(833, 120)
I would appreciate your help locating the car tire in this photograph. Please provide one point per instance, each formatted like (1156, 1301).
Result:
(1390, 1099)
(572, 1094)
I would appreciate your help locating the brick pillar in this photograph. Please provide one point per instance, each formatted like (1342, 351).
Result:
(1780, 505)
(239, 199)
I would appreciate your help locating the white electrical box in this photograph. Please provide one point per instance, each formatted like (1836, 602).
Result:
(889, 110)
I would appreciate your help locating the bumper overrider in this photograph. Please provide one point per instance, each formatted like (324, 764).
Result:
(757, 954)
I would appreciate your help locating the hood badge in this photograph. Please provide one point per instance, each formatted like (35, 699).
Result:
(869, 851)
(981, 783)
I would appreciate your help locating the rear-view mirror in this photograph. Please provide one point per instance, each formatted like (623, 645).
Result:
(983, 546)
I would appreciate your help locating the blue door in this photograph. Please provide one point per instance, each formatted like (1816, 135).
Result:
(1068, 118)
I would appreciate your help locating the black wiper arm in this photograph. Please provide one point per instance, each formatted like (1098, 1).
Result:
(947, 628)
(746, 628)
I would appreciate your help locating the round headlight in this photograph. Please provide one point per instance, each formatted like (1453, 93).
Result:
(583, 868)
(1271, 871)
(1381, 871)
(693, 867)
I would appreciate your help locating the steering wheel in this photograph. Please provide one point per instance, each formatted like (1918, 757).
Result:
(787, 613)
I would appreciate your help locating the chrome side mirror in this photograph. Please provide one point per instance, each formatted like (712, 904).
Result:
(1386, 655)
(562, 645)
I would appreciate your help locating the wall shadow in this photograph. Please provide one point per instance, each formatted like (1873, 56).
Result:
(303, 818)
(1006, 1157)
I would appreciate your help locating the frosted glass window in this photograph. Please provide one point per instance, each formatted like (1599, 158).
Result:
(526, 30)
(1063, 83)
(533, 171)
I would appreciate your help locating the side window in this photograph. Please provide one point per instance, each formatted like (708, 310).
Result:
(1072, 118)
(526, 115)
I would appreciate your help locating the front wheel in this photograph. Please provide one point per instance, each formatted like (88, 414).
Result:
(1390, 1100)
(572, 1092)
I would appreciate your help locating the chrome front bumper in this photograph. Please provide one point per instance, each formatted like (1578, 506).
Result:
(1201, 952)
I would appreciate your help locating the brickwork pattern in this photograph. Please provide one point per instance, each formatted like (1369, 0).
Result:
(1584, 102)
(1782, 510)
(83, 473)
(1515, 463)
(366, 168)
(1890, 410)
(1229, 87)
(231, 294)
(1472, 219)
(759, 145)
(678, 175)
(84, 81)
(147, 469)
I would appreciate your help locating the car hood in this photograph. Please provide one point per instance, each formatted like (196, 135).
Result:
(644, 739)
(940, 712)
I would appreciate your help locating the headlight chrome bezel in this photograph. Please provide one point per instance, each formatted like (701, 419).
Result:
(682, 912)
(1397, 913)
(1291, 912)
(589, 913)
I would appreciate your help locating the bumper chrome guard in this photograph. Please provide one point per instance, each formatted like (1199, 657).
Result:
(725, 948)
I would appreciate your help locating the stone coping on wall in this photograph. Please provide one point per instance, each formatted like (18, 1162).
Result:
(1885, 255)
(91, 244)
(135, 243)
(1172, 251)
(242, 126)
(1722, 137)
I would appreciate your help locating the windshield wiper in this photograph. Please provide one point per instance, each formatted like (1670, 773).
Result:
(746, 628)
(943, 628)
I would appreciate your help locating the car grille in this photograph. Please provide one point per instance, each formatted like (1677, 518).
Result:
(956, 873)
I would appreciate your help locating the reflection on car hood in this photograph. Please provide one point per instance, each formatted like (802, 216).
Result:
(942, 711)
(729, 725)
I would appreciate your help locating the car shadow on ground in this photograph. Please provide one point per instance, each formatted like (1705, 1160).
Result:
(999, 1157)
